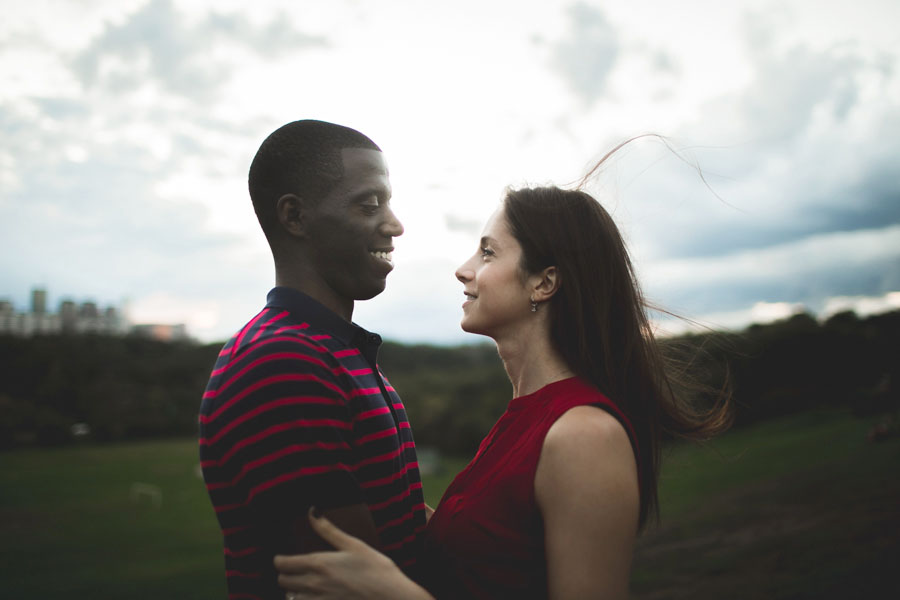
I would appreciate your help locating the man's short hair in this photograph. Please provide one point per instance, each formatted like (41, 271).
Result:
(302, 158)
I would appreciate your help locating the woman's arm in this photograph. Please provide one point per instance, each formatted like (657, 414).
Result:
(353, 570)
(586, 486)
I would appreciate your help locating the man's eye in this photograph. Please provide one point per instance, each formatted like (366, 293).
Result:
(371, 201)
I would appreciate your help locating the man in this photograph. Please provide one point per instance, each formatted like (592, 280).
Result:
(296, 413)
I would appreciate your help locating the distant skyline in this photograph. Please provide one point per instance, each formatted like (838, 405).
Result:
(72, 317)
(759, 313)
(128, 128)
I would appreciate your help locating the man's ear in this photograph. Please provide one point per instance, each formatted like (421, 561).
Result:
(294, 214)
(546, 283)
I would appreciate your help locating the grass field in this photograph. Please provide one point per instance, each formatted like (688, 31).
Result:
(799, 508)
(803, 507)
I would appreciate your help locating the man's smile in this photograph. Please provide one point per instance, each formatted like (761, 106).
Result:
(385, 255)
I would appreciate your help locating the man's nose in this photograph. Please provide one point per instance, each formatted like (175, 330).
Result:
(392, 227)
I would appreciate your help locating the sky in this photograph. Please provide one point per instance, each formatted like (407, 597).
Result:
(127, 128)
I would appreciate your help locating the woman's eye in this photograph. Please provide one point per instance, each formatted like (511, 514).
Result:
(485, 252)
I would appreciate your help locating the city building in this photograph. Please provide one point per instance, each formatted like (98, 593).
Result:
(74, 318)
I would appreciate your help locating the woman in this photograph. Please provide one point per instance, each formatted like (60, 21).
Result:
(552, 502)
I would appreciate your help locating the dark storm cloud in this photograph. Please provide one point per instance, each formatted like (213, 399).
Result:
(871, 203)
(837, 158)
(874, 278)
(157, 43)
(587, 53)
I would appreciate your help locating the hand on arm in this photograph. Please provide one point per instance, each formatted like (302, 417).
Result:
(355, 520)
(353, 570)
(586, 486)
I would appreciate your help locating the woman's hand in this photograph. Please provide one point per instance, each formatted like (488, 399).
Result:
(353, 570)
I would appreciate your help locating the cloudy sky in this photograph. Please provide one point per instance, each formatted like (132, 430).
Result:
(127, 127)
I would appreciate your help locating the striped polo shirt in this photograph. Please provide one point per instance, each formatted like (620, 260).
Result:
(297, 413)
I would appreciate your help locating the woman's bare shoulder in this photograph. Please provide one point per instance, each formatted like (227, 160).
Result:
(587, 426)
(587, 449)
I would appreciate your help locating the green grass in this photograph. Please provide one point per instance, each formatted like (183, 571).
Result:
(803, 507)
(70, 523)
(799, 508)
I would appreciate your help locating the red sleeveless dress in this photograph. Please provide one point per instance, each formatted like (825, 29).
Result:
(486, 537)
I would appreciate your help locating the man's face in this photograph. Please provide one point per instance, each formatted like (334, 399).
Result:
(352, 228)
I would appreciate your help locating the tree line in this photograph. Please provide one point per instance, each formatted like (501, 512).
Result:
(131, 387)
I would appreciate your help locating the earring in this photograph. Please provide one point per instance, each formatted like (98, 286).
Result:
(533, 304)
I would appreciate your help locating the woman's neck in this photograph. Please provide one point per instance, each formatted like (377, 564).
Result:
(531, 362)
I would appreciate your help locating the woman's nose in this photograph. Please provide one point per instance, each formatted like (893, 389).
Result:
(464, 273)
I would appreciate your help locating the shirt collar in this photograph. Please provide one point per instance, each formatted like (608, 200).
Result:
(318, 315)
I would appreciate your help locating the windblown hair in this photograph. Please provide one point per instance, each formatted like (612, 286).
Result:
(302, 158)
(600, 326)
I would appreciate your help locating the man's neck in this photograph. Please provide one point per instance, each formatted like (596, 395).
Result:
(321, 294)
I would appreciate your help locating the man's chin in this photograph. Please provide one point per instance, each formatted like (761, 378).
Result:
(369, 292)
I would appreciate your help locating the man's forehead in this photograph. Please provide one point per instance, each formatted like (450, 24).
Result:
(364, 161)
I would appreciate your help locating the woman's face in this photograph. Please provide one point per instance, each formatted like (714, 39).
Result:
(497, 296)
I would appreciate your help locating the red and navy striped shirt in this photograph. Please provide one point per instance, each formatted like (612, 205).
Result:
(296, 414)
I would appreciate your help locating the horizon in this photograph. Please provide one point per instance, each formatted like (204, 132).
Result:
(669, 326)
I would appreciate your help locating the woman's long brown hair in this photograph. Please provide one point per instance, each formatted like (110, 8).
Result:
(600, 325)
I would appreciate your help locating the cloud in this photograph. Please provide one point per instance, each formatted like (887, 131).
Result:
(863, 262)
(759, 313)
(128, 129)
(587, 53)
(458, 224)
(113, 184)
(767, 312)
(862, 305)
(775, 211)
(789, 87)
(159, 45)
(83, 215)
(795, 89)
(809, 146)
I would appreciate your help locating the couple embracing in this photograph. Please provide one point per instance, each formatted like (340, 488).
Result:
(306, 449)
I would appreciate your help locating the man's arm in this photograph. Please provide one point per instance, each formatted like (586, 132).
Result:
(355, 520)
(295, 440)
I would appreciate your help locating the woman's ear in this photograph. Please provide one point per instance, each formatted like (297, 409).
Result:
(294, 214)
(547, 283)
